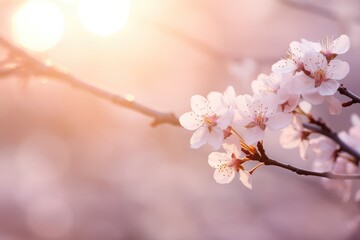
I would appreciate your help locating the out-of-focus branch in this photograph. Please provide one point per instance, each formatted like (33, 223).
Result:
(262, 157)
(354, 98)
(28, 63)
(334, 136)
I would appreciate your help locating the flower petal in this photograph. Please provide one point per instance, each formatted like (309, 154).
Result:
(279, 120)
(334, 105)
(231, 149)
(305, 152)
(296, 50)
(284, 66)
(245, 179)
(341, 44)
(314, 61)
(337, 69)
(312, 96)
(215, 100)
(199, 137)
(224, 175)
(301, 83)
(200, 105)
(252, 135)
(190, 121)
(290, 138)
(328, 87)
(216, 138)
(216, 159)
(224, 120)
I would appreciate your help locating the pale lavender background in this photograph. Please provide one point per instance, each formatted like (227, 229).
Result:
(76, 167)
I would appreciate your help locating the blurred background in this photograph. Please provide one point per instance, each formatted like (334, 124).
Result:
(73, 166)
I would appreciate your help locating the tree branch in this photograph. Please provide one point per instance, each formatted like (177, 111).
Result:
(36, 67)
(262, 157)
(354, 98)
(299, 171)
(334, 136)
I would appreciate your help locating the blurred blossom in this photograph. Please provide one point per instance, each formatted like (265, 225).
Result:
(49, 217)
(242, 70)
(41, 161)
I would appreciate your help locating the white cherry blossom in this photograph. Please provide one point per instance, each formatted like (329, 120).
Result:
(352, 138)
(258, 113)
(227, 164)
(295, 135)
(330, 48)
(342, 187)
(208, 119)
(223, 102)
(325, 152)
(294, 61)
(281, 85)
(325, 75)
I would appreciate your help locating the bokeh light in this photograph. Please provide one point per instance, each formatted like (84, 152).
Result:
(38, 25)
(103, 17)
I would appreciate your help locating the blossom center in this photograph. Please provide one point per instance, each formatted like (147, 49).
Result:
(259, 121)
(210, 121)
(319, 76)
(235, 163)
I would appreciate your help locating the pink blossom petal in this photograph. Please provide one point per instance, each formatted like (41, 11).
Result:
(312, 96)
(229, 95)
(199, 137)
(328, 87)
(215, 100)
(245, 179)
(334, 105)
(314, 61)
(216, 138)
(224, 175)
(231, 149)
(337, 69)
(253, 135)
(284, 66)
(189, 121)
(355, 120)
(302, 83)
(290, 138)
(224, 120)
(279, 120)
(305, 106)
(305, 152)
(216, 159)
(199, 104)
(341, 44)
(312, 45)
(296, 50)
(292, 103)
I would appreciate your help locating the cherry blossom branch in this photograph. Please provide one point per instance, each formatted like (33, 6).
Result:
(263, 158)
(354, 98)
(334, 136)
(38, 68)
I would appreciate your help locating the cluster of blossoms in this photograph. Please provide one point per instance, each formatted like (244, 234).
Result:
(309, 75)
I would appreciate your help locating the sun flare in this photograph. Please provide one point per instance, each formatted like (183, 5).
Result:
(103, 17)
(38, 25)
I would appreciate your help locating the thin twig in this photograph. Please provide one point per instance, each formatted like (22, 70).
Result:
(354, 98)
(39, 68)
(334, 136)
(271, 162)
(262, 157)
